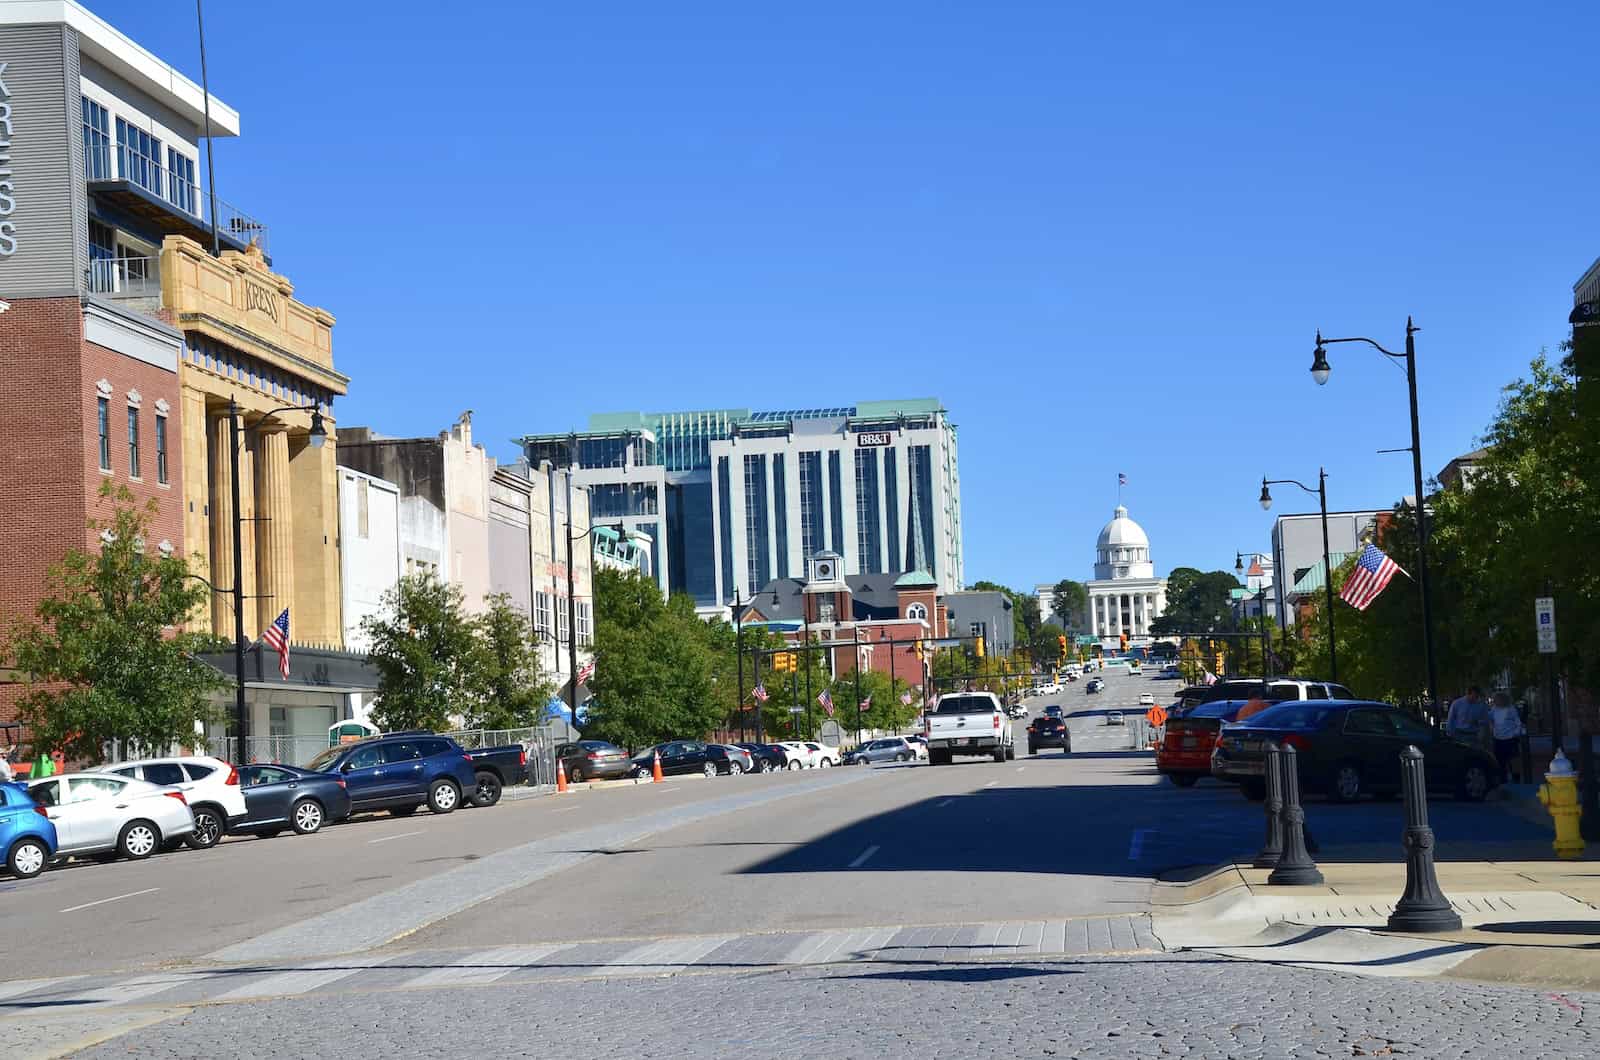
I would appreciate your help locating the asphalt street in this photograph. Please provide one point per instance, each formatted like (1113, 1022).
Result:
(858, 876)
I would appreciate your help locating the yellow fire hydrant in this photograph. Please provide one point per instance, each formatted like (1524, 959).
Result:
(1559, 793)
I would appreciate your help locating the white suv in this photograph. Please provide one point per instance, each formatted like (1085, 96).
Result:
(210, 785)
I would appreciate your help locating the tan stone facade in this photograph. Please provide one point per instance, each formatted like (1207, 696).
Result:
(248, 339)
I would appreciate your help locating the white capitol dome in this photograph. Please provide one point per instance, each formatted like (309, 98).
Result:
(1123, 549)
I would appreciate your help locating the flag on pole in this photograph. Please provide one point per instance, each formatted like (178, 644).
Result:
(1371, 576)
(1211, 678)
(866, 704)
(760, 692)
(826, 701)
(585, 671)
(1122, 480)
(276, 637)
(905, 697)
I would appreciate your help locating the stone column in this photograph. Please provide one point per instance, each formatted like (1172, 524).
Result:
(275, 554)
(221, 527)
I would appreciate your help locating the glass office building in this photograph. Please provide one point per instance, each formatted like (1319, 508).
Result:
(732, 498)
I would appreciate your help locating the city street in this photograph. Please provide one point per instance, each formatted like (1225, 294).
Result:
(975, 909)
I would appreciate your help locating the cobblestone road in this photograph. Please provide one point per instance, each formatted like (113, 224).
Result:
(1159, 1006)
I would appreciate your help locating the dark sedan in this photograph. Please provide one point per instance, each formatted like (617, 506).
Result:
(593, 760)
(685, 756)
(287, 797)
(1350, 748)
(765, 757)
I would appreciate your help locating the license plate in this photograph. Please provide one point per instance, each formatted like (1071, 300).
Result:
(1190, 742)
(972, 741)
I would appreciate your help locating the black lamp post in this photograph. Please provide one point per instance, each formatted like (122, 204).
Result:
(1320, 370)
(1261, 614)
(318, 435)
(1327, 562)
(572, 598)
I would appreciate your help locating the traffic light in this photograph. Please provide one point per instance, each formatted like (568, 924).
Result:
(1063, 641)
(783, 660)
(1219, 664)
(1124, 642)
(980, 646)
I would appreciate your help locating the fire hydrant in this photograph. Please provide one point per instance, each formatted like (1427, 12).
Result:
(1559, 794)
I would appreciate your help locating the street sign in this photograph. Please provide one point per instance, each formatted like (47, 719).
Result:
(797, 710)
(1544, 623)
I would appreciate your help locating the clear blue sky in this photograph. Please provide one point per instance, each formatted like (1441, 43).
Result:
(1103, 234)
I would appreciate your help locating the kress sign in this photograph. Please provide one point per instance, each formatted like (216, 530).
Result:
(8, 202)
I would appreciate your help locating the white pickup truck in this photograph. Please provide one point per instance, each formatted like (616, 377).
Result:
(968, 723)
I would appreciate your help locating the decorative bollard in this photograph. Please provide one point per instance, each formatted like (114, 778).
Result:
(1295, 867)
(1423, 907)
(1272, 848)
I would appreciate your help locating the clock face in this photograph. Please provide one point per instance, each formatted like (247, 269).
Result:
(824, 570)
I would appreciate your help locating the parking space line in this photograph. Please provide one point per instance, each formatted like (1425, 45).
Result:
(103, 901)
(385, 839)
(861, 859)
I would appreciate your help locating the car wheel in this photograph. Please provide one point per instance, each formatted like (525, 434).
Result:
(306, 816)
(902, 757)
(1255, 790)
(576, 775)
(138, 840)
(28, 858)
(443, 796)
(826, 763)
(999, 754)
(1346, 786)
(1033, 749)
(208, 829)
(404, 811)
(794, 763)
(1011, 752)
(1184, 780)
(710, 770)
(488, 792)
(735, 769)
(1474, 784)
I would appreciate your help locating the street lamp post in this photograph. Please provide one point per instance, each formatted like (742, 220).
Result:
(236, 433)
(572, 598)
(1261, 614)
(1320, 370)
(738, 652)
(1327, 562)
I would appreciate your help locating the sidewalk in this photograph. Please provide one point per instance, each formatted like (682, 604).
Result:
(1531, 922)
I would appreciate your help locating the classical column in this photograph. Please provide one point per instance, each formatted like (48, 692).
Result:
(275, 553)
(221, 501)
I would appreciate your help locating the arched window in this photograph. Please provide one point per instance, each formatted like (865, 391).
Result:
(917, 611)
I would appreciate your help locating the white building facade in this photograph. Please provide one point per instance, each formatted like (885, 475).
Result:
(369, 549)
(1125, 595)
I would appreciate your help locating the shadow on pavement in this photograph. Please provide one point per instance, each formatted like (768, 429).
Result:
(1544, 927)
(981, 973)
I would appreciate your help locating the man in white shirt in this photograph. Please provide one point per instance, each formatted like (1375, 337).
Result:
(1468, 716)
(1505, 725)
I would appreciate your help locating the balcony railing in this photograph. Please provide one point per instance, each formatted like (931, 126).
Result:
(131, 278)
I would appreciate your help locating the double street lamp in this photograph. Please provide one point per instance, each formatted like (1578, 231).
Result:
(1320, 370)
(1327, 563)
(1261, 614)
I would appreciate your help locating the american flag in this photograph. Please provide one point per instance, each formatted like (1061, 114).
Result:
(760, 692)
(1122, 480)
(585, 671)
(866, 704)
(276, 637)
(826, 701)
(1211, 678)
(1371, 576)
(905, 697)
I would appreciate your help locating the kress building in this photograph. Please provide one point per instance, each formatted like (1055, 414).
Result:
(126, 337)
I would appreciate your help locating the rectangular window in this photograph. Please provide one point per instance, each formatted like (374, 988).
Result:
(105, 435)
(836, 498)
(180, 182)
(541, 612)
(561, 619)
(139, 157)
(583, 623)
(810, 504)
(96, 141)
(891, 500)
(133, 441)
(868, 559)
(780, 512)
(755, 521)
(161, 450)
(725, 524)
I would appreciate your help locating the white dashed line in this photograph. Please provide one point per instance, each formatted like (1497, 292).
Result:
(991, 783)
(862, 858)
(385, 839)
(103, 901)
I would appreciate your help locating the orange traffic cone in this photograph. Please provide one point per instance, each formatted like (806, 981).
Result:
(561, 776)
(655, 769)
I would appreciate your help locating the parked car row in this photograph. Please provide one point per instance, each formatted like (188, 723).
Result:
(133, 809)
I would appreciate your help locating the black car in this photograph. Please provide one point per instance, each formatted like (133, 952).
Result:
(768, 757)
(1048, 732)
(1349, 748)
(684, 756)
(278, 797)
(593, 760)
(1053, 711)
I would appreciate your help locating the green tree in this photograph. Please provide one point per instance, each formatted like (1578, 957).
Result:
(1069, 600)
(427, 654)
(1046, 645)
(509, 691)
(103, 655)
(884, 711)
(1196, 602)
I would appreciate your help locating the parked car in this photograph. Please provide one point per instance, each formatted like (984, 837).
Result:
(593, 760)
(111, 816)
(210, 784)
(766, 757)
(399, 772)
(822, 756)
(1185, 752)
(1048, 732)
(739, 760)
(884, 749)
(27, 835)
(679, 757)
(495, 769)
(279, 797)
(1270, 689)
(918, 743)
(1347, 749)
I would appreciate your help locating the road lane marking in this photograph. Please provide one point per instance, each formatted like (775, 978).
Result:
(991, 783)
(862, 858)
(385, 839)
(1136, 844)
(18, 987)
(945, 802)
(485, 967)
(1021, 768)
(301, 980)
(567, 809)
(103, 901)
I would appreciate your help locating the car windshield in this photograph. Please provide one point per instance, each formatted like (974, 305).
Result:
(1292, 716)
(325, 759)
(598, 745)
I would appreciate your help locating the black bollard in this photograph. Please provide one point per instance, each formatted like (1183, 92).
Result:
(1295, 867)
(1588, 788)
(1423, 907)
(1272, 848)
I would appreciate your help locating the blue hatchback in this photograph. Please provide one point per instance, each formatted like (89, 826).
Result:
(400, 772)
(27, 835)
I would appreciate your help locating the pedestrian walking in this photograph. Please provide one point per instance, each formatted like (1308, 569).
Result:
(1505, 725)
(1469, 717)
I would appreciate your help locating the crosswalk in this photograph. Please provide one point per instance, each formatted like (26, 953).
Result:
(435, 969)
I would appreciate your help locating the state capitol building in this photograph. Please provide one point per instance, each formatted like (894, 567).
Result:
(1125, 596)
